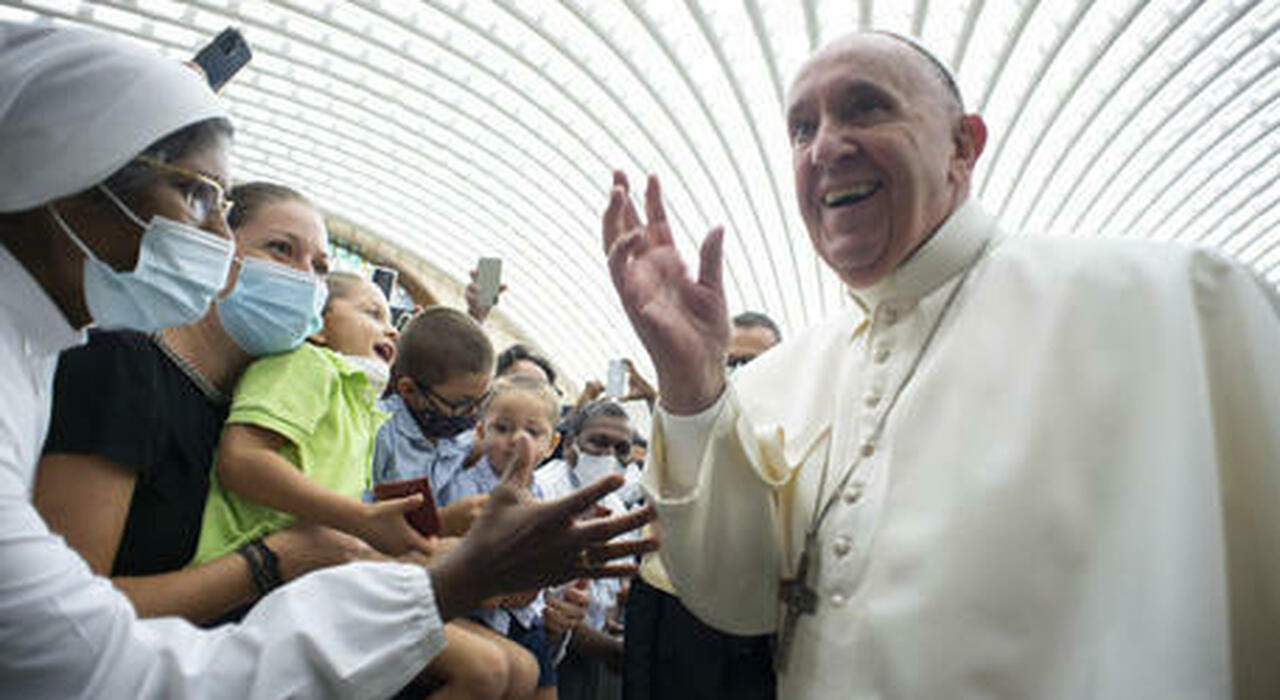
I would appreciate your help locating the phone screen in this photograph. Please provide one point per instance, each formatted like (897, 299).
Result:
(488, 280)
(616, 380)
(385, 279)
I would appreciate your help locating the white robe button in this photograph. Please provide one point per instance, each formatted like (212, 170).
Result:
(842, 545)
(868, 449)
(872, 399)
(838, 599)
(853, 493)
(882, 354)
(890, 316)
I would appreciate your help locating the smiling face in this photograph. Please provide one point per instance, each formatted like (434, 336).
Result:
(881, 153)
(358, 322)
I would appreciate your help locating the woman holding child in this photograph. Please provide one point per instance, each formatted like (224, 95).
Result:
(112, 213)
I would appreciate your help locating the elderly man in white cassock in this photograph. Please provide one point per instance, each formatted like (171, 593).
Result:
(1018, 467)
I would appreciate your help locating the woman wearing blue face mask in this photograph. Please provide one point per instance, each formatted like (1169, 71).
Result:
(111, 213)
(137, 417)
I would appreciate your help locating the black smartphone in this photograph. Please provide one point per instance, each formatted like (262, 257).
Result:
(385, 279)
(223, 57)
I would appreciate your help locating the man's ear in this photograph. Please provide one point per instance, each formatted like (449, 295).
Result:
(971, 138)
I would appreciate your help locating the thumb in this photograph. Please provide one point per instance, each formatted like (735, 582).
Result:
(401, 505)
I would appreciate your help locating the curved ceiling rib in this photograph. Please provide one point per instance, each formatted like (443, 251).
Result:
(456, 128)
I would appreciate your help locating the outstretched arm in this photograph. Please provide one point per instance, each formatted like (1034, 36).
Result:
(249, 464)
(681, 321)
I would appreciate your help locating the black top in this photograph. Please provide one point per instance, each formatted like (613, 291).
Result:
(120, 397)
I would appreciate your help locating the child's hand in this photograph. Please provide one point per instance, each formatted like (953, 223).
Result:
(384, 527)
(456, 518)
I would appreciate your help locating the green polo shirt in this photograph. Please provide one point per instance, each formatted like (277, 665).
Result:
(324, 407)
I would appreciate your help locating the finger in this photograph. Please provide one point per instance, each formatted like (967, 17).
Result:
(403, 505)
(711, 261)
(622, 251)
(604, 529)
(521, 469)
(569, 507)
(629, 217)
(610, 571)
(659, 229)
(629, 548)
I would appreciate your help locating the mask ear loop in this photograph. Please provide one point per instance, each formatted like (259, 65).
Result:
(124, 208)
(62, 224)
(237, 265)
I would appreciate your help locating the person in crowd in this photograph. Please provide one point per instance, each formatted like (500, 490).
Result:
(639, 448)
(1020, 465)
(670, 653)
(81, 116)
(137, 416)
(440, 378)
(301, 428)
(296, 444)
(598, 439)
(520, 408)
(751, 334)
(518, 359)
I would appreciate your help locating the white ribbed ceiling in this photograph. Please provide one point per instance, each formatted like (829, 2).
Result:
(464, 128)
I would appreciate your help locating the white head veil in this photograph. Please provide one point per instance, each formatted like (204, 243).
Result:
(76, 105)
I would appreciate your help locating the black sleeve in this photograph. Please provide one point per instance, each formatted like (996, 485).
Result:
(105, 400)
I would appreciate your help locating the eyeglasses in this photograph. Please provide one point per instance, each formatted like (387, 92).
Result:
(457, 407)
(204, 194)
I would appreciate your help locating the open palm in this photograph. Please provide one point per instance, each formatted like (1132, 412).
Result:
(681, 321)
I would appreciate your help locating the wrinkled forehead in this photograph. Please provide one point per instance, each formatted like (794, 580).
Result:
(868, 57)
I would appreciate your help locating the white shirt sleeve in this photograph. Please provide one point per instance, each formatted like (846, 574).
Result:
(356, 631)
(682, 440)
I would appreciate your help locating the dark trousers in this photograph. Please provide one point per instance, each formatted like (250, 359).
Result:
(672, 655)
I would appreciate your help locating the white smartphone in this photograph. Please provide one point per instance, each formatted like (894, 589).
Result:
(488, 281)
(615, 383)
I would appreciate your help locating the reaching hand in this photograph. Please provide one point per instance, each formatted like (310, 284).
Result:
(682, 322)
(564, 610)
(457, 517)
(384, 527)
(519, 544)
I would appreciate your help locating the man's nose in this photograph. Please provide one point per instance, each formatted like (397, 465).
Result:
(831, 144)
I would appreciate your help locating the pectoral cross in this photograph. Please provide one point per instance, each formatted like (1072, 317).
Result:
(799, 599)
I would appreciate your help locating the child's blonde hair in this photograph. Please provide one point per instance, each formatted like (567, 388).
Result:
(341, 284)
(529, 384)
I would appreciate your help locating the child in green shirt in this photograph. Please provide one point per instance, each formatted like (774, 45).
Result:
(299, 444)
(299, 438)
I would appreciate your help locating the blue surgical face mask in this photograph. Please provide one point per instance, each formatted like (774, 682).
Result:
(179, 271)
(272, 308)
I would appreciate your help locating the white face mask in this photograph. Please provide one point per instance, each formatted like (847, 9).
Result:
(180, 270)
(592, 467)
(375, 370)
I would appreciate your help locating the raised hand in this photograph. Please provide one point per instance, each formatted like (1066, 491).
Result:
(518, 544)
(474, 308)
(681, 321)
